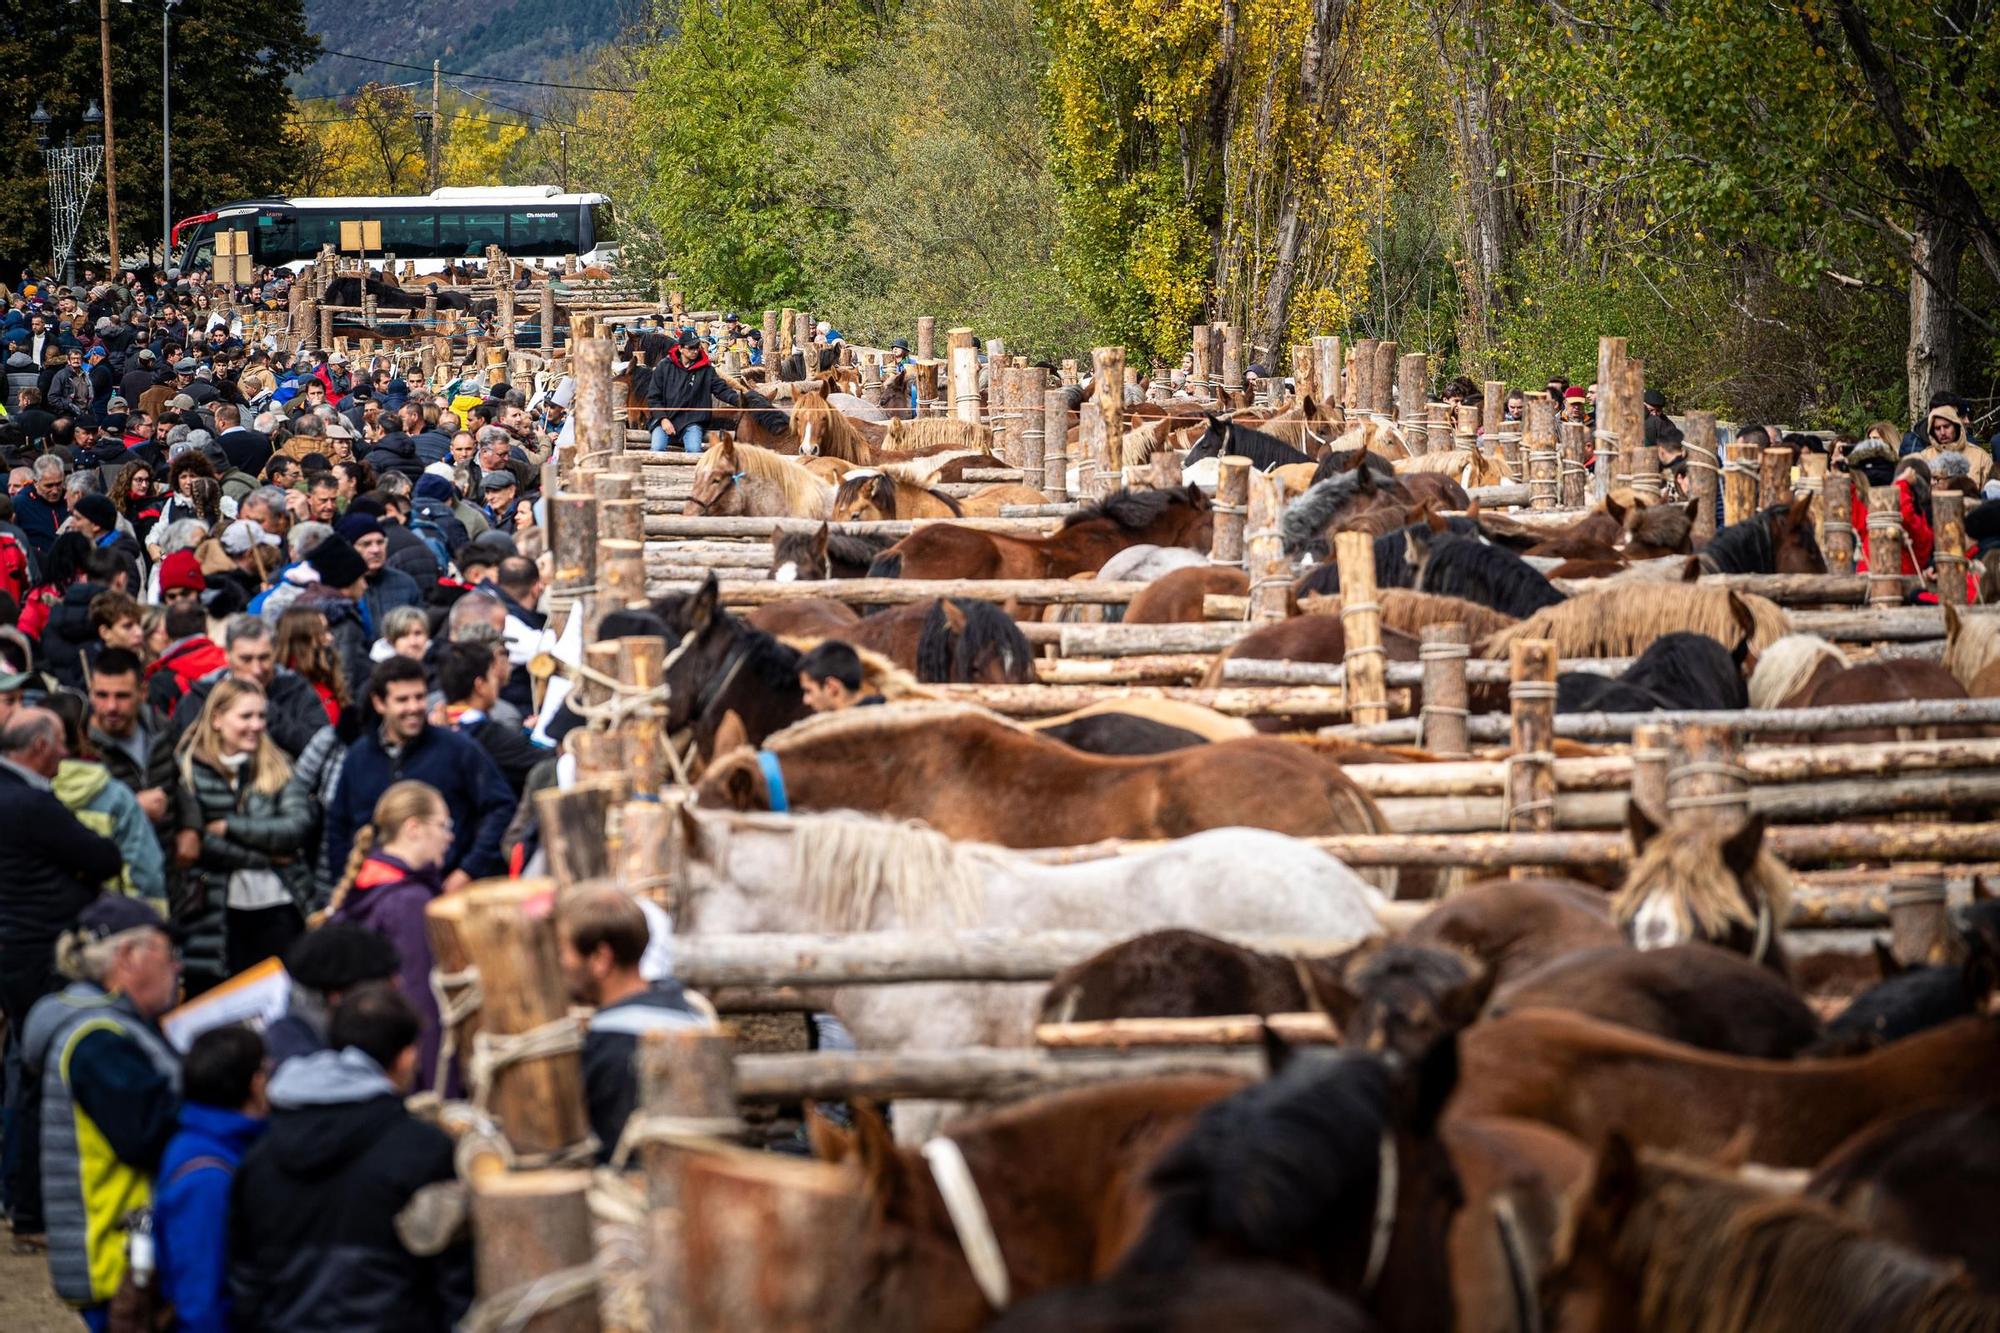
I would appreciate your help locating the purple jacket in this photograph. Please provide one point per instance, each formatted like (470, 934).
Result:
(389, 898)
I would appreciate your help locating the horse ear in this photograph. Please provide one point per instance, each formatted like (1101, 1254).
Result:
(830, 1142)
(1691, 508)
(702, 609)
(1461, 1005)
(1613, 508)
(1197, 496)
(1639, 826)
(1364, 484)
(820, 540)
(1416, 546)
(1277, 1051)
(1736, 1152)
(954, 614)
(1800, 513)
(1435, 521)
(739, 786)
(1691, 571)
(1739, 611)
(1328, 982)
(730, 734)
(1615, 1184)
(1472, 508)
(1739, 849)
(883, 1178)
(1952, 624)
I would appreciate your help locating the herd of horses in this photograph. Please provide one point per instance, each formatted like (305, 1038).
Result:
(1575, 1104)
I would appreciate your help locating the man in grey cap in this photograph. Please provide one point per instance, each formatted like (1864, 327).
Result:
(138, 377)
(202, 388)
(500, 489)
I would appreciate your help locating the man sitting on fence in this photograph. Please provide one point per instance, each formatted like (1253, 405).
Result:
(679, 393)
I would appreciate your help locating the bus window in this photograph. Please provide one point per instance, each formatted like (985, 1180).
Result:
(466, 235)
(541, 231)
(276, 240)
(603, 230)
(410, 235)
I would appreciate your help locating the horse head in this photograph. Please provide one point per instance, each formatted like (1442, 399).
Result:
(1792, 538)
(1400, 1000)
(799, 556)
(1702, 885)
(864, 493)
(717, 489)
(700, 637)
(1214, 441)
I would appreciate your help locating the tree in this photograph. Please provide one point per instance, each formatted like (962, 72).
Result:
(369, 143)
(230, 61)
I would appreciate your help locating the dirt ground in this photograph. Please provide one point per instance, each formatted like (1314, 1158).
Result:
(27, 1303)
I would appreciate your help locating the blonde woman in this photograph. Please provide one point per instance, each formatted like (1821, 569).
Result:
(395, 869)
(246, 894)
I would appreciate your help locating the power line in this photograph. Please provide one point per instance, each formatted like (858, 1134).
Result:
(480, 78)
(532, 116)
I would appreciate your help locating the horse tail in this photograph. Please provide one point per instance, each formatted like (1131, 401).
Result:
(988, 629)
(935, 647)
(950, 502)
(888, 565)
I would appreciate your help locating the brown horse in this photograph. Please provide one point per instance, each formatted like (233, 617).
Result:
(974, 777)
(875, 493)
(1972, 652)
(1703, 885)
(1086, 539)
(1515, 926)
(1206, 1297)
(1176, 598)
(1665, 1245)
(1803, 671)
(1622, 527)
(1184, 974)
(819, 430)
(1589, 1078)
(1307, 638)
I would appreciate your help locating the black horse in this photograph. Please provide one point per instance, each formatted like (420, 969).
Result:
(824, 554)
(1459, 566)
(1677, 670)
(968, 642)
(1228, 437)
(721, 665)
(1777, 540)
(1392, 564)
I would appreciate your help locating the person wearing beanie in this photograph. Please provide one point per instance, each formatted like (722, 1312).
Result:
(1945, 431)
(679, 392)
(341, 596)
(181, 579)
(323, 965)
(96, 518)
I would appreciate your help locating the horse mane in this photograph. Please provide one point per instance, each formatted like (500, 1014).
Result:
(1614, 622)
(1133, 510)
(1701, 891)
(1468, 467)
(849, 864)
(923, 468)
(1971, 647)
(1667, 525)
(870, 723)
(1785, 666)
(804, 493)
(1262, 1170)
(861, 478)
(943, 657)
(905, 437)
(843, 438)
(1306, 517)
(1461, 566)
(1377, 437)
(1686, 669)
(1139, 444)
(1409, 611)
(1718, 1254)
(1346, 460)
(1265, 451)
(846, 547)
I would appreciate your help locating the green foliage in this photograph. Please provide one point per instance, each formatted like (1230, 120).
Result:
(230, 62)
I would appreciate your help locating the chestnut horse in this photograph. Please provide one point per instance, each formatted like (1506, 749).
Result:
(971, 775)
(734, 479)
(1086, 539)
(874, 493)
(1804, 671)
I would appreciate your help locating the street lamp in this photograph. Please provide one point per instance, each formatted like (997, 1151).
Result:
(72, 171)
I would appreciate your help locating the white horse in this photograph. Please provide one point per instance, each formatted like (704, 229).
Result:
(764, 873)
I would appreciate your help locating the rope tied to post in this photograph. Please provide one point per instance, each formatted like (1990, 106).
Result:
(458, 998)
(1516, 809)
(680, 1131)
(512, 1310)
(1362, 649)
(495, 1051)
(1705, 768)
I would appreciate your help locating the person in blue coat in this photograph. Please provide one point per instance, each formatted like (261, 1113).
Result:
(222, 1114)
(399, 744)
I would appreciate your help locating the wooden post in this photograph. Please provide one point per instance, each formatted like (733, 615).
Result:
(1438, 428)
(786, 325)
(1948, 523)
(548, 301)
(1264, 550)
(1361, 391)
(1632, 419)
(1055, 445)
(1232, 505)
(1443, 652)
(747, 1217)
(538, 1099)
(1104, 425)
(1610, 420)
(451, 967)
(1774, 478)
(687, 1091)
(1327, 368)
(926, 349)
(598, 427)
(1642, 463)
(325, 327)
(641, 667)
(1885, 546)
(1000, 417)
(1413, 390)
(1702, 474)
(1837, 523)
(1201, 375)
(1503, 437)
(1232, 366)
(802, 339)
(530, 1226)
(1650, 743)
(1465, 427)
(1066, 373)
(927, 388)
(503, 292)
(1920, 932)
(1544, 471)
(1572, 477)
(1812, 482)
(1739, 483)
(1305, 372)
(1531, 772)
(573, 543)
(964, 376)
(621, 520)
(1031, 401)
(1383, 381)
(1705, 786)
(1367, 695)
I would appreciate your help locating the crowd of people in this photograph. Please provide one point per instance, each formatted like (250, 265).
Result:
(265, 623)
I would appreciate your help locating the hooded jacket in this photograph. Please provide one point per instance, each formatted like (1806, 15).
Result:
(396, 452)
(389, 896)
(191, 1214)
(169, 676)
(69, 635)
(1981, 462)
(108, 808)
(294, 716)
(313, 1244)
(681, 391)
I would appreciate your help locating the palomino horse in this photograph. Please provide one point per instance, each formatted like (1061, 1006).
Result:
(1086, 539)
(742, 480)
(1662, 1244)
(1972, 652)
(1704, 885)
(819, 429)
(972, 775)
(877, 493)
(1804, 671)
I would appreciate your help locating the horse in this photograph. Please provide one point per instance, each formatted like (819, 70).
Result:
(1225, 437)
(1618, 621)
(928, 433)
(1465, 567)
(1777, 540)
(1661, 1244)
(1513, 927)
(1703, 885)
(1177, 598)
(1122, 734)
(1622, 527)
(1305, 638)
(1972, 652)
(1694, 994)
(1333, 1166)
(971, 775)
(1587, 1078)
(1333, 505)
(743, 480)
(1203, 722)
(969, 642)
(818, 429)
(1085, 540)
(1392, 566)
(1912, 999)
(718, 666)
(1804, 671)
(876, 493)
(1184, 974)
(1206, 1297)
(1468, 468)
(1678, 670)
(1401, 999)
(347, 290)
(824, 554)
(1917, 1179)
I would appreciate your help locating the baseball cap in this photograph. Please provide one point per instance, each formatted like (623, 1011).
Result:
(180, 402)
(185, 366)
(244, 533)
(113, 914)
(337, 359)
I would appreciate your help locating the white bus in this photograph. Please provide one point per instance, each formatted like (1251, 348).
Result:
(454, 223)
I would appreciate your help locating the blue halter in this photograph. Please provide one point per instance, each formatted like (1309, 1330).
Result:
(774, 782)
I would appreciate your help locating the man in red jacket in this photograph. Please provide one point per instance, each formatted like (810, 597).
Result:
(190, 655)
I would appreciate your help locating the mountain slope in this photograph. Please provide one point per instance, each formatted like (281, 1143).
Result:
(517, 39)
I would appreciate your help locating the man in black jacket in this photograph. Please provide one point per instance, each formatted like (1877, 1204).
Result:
(246, 450)
(472, 675)
(294, 713)
(313, 1240)
(680, 391)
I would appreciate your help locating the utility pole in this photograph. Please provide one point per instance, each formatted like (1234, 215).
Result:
(166, 136)
(437, 126)
(562, 137)
(110, 159)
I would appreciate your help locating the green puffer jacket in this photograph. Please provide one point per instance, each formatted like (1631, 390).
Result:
(274, 833)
